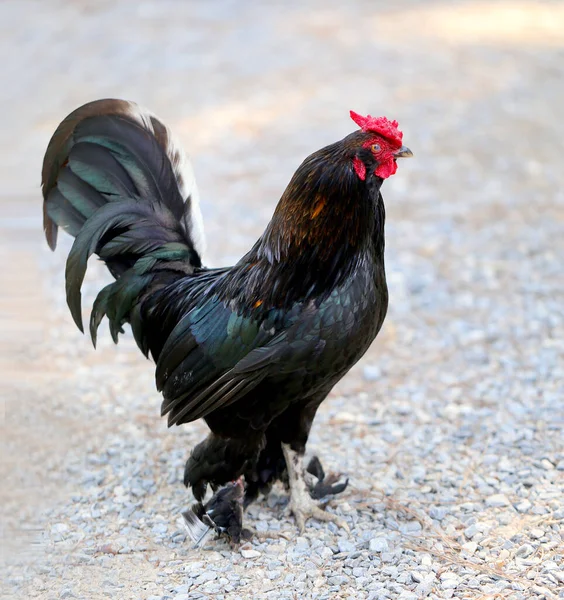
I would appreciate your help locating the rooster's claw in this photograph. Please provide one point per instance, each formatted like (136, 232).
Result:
(325, 485)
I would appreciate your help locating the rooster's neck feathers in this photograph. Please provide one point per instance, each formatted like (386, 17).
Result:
(325, 210)
(327, 223)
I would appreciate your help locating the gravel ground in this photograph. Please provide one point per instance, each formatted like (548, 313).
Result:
(452, 426)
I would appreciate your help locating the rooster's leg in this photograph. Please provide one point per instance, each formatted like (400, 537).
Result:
(301, 503)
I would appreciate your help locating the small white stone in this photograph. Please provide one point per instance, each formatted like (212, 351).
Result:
(346, 546)
(407, 595)
(450, 583)
(371, 373)
(250, 553)
(205, 577)
(426, 560)
(497, 500)
(379, 544)
(542, 591)
(523, 506)
(503, 555)
(470, 547)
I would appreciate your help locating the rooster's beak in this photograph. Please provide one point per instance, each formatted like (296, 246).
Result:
(403, 152)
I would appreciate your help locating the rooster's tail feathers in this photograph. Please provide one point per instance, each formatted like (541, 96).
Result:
(114, 178)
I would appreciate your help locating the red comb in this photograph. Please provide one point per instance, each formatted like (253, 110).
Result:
(380, 125)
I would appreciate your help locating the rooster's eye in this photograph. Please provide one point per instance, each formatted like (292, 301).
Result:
(375, 148)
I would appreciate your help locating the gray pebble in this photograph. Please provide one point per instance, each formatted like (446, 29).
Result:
(424, 588)
(524, 551)
(379, 544)
(407, 595)
(205, 576)
(497, 500)
(346, 546)
(160, 528)
(337, 580)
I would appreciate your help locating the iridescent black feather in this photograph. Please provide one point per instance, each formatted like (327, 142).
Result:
(109, 181)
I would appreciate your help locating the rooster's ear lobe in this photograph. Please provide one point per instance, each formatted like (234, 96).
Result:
(358, 119)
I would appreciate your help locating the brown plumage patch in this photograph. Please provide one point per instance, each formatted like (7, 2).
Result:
(318, 208)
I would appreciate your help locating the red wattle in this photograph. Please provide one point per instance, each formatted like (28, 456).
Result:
(386, 169)
(359, 167)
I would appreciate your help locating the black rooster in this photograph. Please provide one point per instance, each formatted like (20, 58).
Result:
(255, 348)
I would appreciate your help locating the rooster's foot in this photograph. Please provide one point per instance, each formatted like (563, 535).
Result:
(301, 502)
(326, 485)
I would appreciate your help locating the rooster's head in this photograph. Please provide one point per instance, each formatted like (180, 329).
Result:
(381, 145)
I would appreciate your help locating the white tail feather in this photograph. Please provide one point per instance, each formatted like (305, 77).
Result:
(197, 531)
(183, 171)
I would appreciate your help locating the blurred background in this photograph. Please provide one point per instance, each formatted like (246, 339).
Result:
(473, 340)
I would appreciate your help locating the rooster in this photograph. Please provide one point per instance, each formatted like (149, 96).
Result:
(252, 349)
